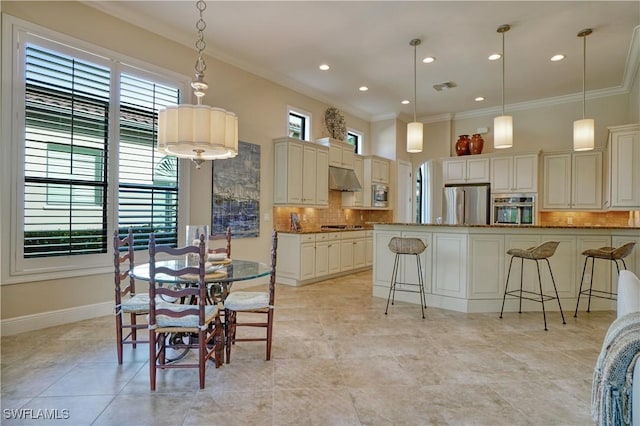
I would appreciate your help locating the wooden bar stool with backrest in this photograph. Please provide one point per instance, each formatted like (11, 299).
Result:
(542, 252)
(607, 253)
(127, 301)
(406, 247)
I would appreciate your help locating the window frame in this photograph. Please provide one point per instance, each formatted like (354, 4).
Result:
(307, 118)
(359, 139)
(14, 267)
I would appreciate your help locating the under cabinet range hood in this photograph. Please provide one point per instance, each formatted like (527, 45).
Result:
(343, 180)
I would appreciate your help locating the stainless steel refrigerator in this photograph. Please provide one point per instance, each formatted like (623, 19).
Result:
(466, 204)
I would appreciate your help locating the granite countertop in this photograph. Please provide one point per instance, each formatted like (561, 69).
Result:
(513, 226)
(323, 231)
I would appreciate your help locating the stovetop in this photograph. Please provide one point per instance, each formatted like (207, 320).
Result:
(329, 227)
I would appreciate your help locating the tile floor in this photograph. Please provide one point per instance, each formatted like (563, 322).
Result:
(337, 360)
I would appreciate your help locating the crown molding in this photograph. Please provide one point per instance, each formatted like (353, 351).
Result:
(633, 60)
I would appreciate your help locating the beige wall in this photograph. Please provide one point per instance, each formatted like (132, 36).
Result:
(260, 105)
(634, 100)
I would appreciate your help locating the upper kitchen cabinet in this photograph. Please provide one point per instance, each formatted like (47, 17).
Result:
(376, 170)
(572, 180)
(300, 173)
(341, 154)
(623, 149)
(514, 174)
(465, 170)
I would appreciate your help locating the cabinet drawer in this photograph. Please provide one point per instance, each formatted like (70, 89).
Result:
(322, 237)
(352, 234)
(308, 238)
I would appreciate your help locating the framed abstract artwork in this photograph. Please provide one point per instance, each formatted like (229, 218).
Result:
(236, 193)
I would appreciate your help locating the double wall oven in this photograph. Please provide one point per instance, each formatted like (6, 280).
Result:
(513, 209)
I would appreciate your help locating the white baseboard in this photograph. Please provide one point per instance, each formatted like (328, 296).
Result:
(32, 322)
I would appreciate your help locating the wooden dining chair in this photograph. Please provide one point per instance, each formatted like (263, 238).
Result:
(226, 249)
(188, 315)
(250, 302)
(127, 301)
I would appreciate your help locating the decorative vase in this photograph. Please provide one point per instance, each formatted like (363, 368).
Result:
(476, 144)
(462, 146)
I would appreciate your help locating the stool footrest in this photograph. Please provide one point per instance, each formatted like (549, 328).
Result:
(600, 294)
(521, 294)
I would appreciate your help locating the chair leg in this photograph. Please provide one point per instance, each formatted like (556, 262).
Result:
(544, 314)
(521, 281)
(584, 267)
(555, 288)
(229, 324)
(593, 261)
(506, 286)
(202, 355)
(119, 336)
(134, 329)
(269, 332)
(392, 284)
(152, 359)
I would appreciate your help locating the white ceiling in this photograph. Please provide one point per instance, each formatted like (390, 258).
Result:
(367, 43)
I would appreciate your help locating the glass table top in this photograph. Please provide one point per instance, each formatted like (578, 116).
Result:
(237, 270)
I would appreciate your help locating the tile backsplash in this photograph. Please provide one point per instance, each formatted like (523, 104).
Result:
(312, 218)
(611, 218)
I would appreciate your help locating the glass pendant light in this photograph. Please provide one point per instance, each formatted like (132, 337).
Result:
(414, 129)
(583, 130)
(503, 125)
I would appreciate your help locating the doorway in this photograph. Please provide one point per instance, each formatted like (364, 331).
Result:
(404, 200)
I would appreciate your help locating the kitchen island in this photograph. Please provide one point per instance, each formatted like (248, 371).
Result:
(465, 266)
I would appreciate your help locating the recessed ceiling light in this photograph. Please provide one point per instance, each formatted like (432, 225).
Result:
(324, 67)
(363, 88)
(556, 58)
(429, 59)
(495, 57)
(479, 99)
(405, 102)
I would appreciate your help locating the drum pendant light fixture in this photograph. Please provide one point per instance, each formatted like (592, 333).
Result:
(198, 132)
(414, 129)
(583, 130)
(503, 125)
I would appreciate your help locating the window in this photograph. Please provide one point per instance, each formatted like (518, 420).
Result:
(355, 138)
(299, 124)
(86, 162)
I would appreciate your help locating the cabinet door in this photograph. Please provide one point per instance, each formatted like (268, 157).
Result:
(557, 181)
(359, 253)
(358, 168)
(347, 157)
(602, 268)
(501, 174)
(346, 255)
(322, 177)
(334, 256)
(368, 246)
(381, 171)
(294, 173)
(322, 259)
(625, 169)
(454, 171)
(486, 266)
(408, 267)
(477, 170)
(450, 265)
(525, 173)
(309, 169)
(335, 155)
(586, 177)
(383, 258)
(307, 261)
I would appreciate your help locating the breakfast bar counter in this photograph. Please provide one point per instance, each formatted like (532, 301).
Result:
(465, 267)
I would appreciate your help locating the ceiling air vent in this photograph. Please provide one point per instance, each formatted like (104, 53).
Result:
(445, 86)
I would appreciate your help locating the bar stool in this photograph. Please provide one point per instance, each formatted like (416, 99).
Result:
(607, 253)
(542, 252)
(407, 246)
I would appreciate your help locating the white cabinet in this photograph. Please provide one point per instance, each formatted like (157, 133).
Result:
(333, 252)
(300, 173)
(356, 199)
(623, 187)
(368, 246)
(341, 154)
(352, 250)
(465, 170)
(376, 170)
(450, 256)
(297, 256)
(572, 181)
(514, 174)
(486, 266)
(322, 255)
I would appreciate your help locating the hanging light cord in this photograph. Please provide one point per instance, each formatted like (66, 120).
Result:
(415, 81)
(503, 73)
(199, 85)
(584, 74)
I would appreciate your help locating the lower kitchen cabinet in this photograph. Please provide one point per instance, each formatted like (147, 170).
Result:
(450, 257)
(307, 258)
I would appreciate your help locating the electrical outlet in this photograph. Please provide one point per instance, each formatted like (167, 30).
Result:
(570, 220)
(587, 278)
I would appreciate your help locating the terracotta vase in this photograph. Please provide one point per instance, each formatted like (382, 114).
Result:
(462, 146)
(476, 144)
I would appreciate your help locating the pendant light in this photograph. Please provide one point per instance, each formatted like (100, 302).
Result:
(583, 129)
(503, 125)
(414, 129)
(198, 132)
